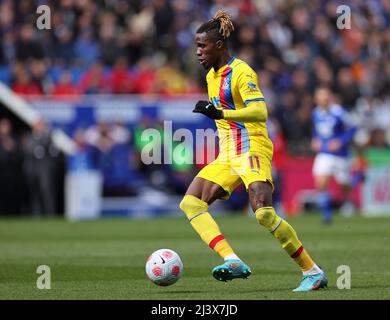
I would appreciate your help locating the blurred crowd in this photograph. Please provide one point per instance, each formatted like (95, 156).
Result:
(124, 154)
(146, 46)
(32, 167)
(30, 171)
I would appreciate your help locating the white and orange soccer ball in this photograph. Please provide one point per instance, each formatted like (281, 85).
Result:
(164, 267)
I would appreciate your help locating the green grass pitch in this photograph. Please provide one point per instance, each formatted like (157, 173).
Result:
(105, 259)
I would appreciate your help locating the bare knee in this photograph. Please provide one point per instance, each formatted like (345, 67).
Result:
(260, 195)
(321, 182)
(346, 188)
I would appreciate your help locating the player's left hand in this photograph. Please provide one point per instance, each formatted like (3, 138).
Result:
(208, 109)
(334, 145)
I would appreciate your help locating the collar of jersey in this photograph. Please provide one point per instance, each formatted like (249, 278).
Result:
(220, 70)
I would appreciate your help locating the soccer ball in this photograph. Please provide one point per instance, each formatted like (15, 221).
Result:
(164, 267)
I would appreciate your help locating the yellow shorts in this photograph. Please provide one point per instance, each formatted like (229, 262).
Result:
(248, 167)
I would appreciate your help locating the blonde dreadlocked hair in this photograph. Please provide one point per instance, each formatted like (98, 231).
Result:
(220, 26)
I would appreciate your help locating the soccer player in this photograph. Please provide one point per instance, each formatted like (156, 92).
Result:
(332, 135)
(240, 112)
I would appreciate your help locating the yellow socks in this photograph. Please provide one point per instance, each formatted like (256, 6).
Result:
(205, 225)
(208, 230)
(303, 259)
(286, 235)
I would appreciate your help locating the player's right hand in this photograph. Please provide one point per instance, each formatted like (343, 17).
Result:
(208, 109)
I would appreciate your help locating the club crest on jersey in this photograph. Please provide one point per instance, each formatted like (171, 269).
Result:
(225, 84)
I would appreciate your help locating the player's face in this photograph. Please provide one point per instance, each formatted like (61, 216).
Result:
(206, 50)
(322, 98)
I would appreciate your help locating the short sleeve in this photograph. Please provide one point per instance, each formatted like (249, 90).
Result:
(248, 85)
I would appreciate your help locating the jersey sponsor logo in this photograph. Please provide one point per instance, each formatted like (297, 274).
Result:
(325, 128)
(252, 86)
